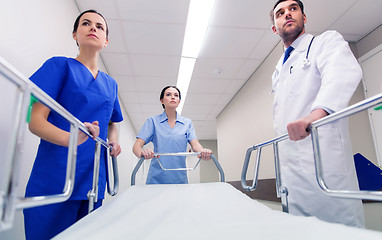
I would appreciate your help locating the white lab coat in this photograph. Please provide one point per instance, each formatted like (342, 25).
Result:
(328, 82)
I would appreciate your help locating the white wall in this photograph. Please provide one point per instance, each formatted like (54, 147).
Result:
(32, 32)
(208, 170)
(247, 120)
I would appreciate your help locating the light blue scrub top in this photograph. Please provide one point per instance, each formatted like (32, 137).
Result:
(167, 140)
(73, 86)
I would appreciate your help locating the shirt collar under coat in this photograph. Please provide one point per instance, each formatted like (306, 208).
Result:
(164, 118)
(301, 44)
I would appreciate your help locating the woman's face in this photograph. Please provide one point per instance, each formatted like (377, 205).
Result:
(91, 31)
(170, 98)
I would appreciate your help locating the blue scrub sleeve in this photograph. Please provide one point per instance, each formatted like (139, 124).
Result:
(50, 76)
(147, 131)
(191, 135)
(117, 113)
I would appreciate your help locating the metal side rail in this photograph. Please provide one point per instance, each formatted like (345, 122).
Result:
(139, 164)
(282, 192)
(93, 193)
(112, 170)
(358, 107)
(9, 201)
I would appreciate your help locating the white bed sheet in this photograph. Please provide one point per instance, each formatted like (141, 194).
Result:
(200, 211)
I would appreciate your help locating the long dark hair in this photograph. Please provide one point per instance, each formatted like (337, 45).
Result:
(164, 90)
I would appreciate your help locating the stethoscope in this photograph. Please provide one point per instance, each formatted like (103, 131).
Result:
(306, 62)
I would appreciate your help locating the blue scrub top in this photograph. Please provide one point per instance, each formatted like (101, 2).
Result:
(73, 86)
(167, 140)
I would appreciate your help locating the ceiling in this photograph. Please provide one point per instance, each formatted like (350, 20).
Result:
(145, 45)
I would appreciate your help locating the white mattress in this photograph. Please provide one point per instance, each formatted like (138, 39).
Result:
(200, 211)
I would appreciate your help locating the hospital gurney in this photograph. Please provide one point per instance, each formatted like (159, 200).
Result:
(200, 211)
(281, 190)
(9, 201)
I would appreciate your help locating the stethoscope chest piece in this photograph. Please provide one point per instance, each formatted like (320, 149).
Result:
(305, 63)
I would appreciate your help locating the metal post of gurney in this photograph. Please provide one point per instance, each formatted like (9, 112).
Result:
(93, 193)
(9, 202)
(112, 190)
(217, 164)
(28, 202)
(8, 199)
(281, 190)
(135, 170)
(370, 195)
(72, 153)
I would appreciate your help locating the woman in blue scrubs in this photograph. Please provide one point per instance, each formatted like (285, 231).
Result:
(169, 133)
(91, 96)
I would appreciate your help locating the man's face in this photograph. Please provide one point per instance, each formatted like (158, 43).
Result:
(289, 21)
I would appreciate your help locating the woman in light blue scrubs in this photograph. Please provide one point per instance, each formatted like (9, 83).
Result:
(169, 133)
(91, 96)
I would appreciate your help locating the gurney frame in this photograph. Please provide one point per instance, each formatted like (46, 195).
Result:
(9, 201)
(139, 164)
(281, 190)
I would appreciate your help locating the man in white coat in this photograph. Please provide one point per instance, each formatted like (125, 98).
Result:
(319, 78)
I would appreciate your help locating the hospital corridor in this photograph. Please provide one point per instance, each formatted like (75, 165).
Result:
(191, 119)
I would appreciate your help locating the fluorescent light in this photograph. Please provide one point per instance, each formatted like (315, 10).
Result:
(184, 77)
(197, 22)
(199, 14)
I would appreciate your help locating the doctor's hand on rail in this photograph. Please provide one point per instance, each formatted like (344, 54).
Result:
(299, 129)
